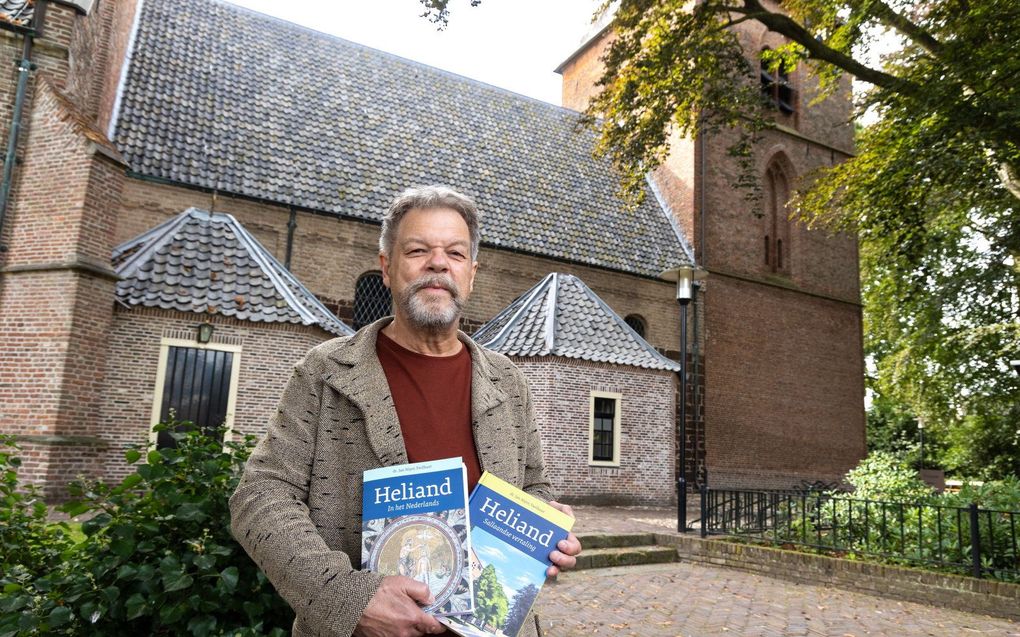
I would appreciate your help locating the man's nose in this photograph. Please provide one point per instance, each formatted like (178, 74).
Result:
(438, 261)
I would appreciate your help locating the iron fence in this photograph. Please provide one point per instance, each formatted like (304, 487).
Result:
(970, 540)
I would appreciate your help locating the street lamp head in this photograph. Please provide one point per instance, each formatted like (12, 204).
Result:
(685, 274)
(1015, 364)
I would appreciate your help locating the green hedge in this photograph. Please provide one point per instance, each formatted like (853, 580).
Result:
(157, 556)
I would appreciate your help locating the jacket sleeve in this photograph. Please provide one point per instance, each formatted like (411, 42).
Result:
(270, 518)
(534, 480)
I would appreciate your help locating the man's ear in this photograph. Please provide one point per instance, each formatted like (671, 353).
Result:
(471, 283)
(384, 266)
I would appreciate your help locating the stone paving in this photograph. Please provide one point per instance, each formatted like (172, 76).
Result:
(694, 600)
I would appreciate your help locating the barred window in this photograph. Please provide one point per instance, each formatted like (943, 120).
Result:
(372, 299)
(636, 323)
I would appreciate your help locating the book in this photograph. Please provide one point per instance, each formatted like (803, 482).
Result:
(512, 534)
(415, 523)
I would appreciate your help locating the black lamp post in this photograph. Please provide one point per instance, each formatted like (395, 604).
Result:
(920, 431)
(685, 275)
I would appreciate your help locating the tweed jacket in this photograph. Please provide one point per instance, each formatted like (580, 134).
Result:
(297, 509)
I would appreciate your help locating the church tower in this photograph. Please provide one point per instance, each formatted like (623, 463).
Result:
(781, 341)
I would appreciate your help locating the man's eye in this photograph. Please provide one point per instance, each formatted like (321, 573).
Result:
(416, 251)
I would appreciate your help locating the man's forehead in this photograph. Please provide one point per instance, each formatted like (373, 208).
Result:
(420, 223)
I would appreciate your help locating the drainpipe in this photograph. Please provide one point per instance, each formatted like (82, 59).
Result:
(291, 226)
(24, 68)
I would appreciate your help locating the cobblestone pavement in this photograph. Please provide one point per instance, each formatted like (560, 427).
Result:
(692, 600)
(696, 600)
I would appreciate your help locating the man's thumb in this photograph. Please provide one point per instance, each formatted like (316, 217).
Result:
(418, 591)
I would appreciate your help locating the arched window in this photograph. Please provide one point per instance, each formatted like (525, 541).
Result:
(372, 299)
(636, 323)
(776, 87)
(776, 220)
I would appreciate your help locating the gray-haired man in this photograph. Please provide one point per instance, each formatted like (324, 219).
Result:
(406, 389)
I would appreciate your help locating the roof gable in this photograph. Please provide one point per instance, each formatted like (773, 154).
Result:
(561, 316)
(218, 96)
(208, 263)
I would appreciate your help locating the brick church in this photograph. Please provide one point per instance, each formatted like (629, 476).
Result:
(192, 196)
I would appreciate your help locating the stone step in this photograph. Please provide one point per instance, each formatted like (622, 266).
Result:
(615, 540)
(625, 556)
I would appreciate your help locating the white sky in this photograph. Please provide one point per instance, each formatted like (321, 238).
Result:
(513, 44)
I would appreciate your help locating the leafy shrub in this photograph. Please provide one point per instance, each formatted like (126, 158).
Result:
(29, 545)
(157, 557)
(885, 476)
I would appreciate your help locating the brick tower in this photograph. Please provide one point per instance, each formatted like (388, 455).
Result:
(783, 368)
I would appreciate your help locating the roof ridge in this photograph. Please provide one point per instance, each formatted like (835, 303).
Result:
(395, 56)
(524, 301)
(161, 234)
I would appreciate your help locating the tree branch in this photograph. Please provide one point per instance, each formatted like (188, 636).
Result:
(887, 16)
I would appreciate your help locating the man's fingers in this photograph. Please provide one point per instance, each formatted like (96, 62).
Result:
(569, 545)
(563, 508)
(418, 591)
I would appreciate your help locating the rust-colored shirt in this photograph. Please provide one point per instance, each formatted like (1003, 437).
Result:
(432, 395)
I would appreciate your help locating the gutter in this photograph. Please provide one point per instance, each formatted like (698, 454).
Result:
(25, 67)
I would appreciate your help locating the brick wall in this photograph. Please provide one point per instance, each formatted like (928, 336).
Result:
(561, 390)
(785, 386)
(56, 287)
(268, 354)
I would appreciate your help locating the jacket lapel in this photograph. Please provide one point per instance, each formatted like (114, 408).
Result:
(487, 420)
(361, 379)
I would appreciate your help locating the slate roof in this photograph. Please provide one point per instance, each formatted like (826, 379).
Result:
(218, 96)
(561, 316)
(17, 13)
(208, 263)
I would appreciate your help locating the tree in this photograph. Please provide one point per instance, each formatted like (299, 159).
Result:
(490, 600)
(932, 192)
(519, 607)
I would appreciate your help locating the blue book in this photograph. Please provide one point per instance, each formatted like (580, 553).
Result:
(415, 523)
(512, 534)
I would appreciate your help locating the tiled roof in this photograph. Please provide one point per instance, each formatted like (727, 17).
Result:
(218, 96)
(561, 316)
(208, 263)
(17, 12)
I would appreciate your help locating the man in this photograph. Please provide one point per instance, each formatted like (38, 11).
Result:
(409, 389)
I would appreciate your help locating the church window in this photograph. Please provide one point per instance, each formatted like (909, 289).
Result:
(372, 299)
(776, 87)
(604, 429)
(776, 221)
(636, 323)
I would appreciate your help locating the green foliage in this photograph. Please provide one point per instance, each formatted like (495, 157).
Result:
(157, 557)
(29, 545)
(490, 600)
(884, 476)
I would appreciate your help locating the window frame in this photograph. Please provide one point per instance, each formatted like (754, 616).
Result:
(617, 419)
(157, 397)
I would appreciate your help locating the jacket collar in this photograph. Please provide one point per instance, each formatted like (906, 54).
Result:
(361, 379)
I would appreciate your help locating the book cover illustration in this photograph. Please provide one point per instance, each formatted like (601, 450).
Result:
(416, 523)
(512, 534)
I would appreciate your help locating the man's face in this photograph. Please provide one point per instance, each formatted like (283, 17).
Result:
(430, 271)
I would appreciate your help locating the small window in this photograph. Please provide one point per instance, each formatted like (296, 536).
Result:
(372, 299)
(776, 221)
(636, 323)
(197, 385)
(604, 431)
(776, 88)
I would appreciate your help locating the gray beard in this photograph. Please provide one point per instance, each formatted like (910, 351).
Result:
(431, 316)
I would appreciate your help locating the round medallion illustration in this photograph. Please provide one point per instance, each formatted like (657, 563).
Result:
(424, 548)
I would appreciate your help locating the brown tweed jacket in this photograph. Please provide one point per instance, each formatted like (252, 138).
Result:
(297, 509)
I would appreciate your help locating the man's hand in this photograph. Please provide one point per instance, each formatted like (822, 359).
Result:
(567, 550)
(395, 610)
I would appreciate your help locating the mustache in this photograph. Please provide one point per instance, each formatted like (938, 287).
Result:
(434, 281)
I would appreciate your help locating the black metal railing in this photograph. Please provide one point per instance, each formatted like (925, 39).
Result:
(971, 540)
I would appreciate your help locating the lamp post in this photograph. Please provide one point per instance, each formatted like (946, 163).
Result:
(685, 274)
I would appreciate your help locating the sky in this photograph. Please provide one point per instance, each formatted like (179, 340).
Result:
(512, 44)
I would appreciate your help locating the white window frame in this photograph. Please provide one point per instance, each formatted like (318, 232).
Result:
(157, 397)
(617, 419)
